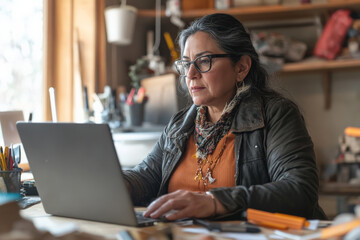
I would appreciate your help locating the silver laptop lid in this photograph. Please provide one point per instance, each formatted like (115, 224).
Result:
(77, 172)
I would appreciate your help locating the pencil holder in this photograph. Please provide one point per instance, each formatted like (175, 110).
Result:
(137, 114)
(10, 181)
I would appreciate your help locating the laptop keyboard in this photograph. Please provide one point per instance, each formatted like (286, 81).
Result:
(142, 219)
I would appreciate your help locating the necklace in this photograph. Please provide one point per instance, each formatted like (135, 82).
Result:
(208, 178)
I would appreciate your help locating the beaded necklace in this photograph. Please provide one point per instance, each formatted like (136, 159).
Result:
(208, 177)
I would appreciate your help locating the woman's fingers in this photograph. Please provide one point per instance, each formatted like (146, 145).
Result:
(163, 205)
(168, 208)
(185, 204)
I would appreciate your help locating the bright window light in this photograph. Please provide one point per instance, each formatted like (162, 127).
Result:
(21, 54)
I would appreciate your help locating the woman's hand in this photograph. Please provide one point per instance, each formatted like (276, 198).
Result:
(182, 204)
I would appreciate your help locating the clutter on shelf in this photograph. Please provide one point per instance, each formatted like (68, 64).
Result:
(330, 43)
(275, 49)
(350, 145)
(352, 40)
(346, 167)
(105, 108)
(340, 37)
(173, 10)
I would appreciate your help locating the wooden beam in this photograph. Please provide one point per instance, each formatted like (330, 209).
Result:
(49, 22)
(63, 58)
(100, 56)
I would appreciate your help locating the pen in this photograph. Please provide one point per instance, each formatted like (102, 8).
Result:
(141, 94)
(13, 156)
(227, 227)
(11, 161)
(130, 98)
(7, 157)
(1, 163)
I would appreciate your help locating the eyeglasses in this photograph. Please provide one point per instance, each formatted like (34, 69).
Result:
(202, 64)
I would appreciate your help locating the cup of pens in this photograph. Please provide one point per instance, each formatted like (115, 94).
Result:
(10, 173)
(135, 103)
(137, 114)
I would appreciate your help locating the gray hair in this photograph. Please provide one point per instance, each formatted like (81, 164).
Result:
(232, 38)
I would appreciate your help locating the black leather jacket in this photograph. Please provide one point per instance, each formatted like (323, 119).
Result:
(276, 169)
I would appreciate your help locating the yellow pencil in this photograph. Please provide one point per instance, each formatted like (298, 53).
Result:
(2, 161)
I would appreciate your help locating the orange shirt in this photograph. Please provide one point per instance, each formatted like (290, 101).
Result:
(183, 176)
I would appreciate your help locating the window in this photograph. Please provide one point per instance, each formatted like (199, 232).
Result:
(21, 55)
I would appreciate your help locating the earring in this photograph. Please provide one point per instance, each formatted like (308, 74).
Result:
(240, 85)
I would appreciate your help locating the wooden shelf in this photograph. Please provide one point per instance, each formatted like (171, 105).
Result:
(266, 12)
(321, 65)
(326, 67)
(342, 189)
(273, 11)
(149, 13)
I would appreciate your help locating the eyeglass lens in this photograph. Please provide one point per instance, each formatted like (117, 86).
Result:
(202, 64)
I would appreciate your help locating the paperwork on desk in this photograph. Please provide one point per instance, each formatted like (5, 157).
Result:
(248, 236)
(56, 229)
(313, 232)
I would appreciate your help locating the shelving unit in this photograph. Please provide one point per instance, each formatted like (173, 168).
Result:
(276, 11)
(279, 12)
(321, 65)
(326, 67)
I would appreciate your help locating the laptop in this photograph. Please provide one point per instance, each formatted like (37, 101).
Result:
(77, 172)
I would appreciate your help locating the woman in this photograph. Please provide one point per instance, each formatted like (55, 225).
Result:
(240, 145)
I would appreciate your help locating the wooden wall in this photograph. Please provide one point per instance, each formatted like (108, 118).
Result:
(67, 23)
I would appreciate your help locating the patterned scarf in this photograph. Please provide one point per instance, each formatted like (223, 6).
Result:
(207, 135)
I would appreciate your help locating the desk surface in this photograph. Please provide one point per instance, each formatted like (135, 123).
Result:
(103, 229)
(37, 213)
(109, 231)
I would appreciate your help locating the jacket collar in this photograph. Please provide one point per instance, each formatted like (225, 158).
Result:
(250, 114)
(184, 125)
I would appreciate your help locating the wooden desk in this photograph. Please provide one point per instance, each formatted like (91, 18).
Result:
(103, 229)
(109, 231)
(106, 230)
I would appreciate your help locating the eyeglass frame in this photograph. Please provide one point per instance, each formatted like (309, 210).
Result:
(210, 56)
